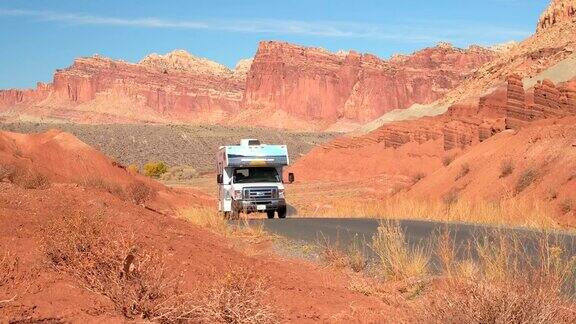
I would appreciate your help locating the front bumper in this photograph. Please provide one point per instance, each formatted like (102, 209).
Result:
(253, 206)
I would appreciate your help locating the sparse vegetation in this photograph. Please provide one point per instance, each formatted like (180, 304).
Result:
(139, 192)
(353, 257)
(238, 298)
(99, 183)
(180, 173)
(448, 159)
(137, 280)
(566, 206)
(417, 177)
(525, 180)
(506, 285)
(464, 170)
(155, 169)
(24, 177)
(397, 260)
(133, 168)
(506, 168)
(451, 197)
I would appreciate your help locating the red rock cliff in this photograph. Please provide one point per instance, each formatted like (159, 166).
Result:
(315, 84)
(558, 12)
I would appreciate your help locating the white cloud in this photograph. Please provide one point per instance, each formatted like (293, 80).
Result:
(414, 31)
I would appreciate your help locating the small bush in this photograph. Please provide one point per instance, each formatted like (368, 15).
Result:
(180, 173)
(102, 185)
(397, 259)
(464, 170)
(27, 178)
(115, 265)
(155, 169)
(417, 177)
(448, 159)
(451, 197)
(525, 180)
(567, 206)
(133, 168)
(353, 257)
(139, 192)
(506, 168)
(238, 298)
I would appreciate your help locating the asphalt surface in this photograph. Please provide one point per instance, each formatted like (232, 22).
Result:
(343, 231)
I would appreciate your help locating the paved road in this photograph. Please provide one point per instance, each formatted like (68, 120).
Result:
(424, 233)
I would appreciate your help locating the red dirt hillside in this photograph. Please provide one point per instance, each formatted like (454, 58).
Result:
(58, 157)
(178, 87)
(46, 217)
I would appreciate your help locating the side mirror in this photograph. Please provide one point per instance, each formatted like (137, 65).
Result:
(290, 177)
(219, 179)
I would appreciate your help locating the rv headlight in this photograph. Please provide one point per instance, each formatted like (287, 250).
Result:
(237, 194)
(280, 193)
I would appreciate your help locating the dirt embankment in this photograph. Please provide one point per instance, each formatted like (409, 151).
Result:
(49, 222)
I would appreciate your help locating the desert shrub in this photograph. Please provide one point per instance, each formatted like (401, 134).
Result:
(505, 285)
(397, 259)
(139, 192)
(506, 168)
(133, 168)
(448, 159)
(180, 173)
(106, 261)
(353, 257)
(155, 169)
(238, 298)
(451, 197)
(567, 206)
(99, 183)
(27, 178)
(464, 170)
(417, 177)
(525, 180)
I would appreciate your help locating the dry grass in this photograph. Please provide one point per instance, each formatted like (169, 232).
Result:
(139, 192)
(398, 261)
(207, 218)
(527, 177)
(566, 206)
(99, 183)
(353, 256)
(505, 284)
(113, 264)
(448, 159)
(418, 177)
(23, 177)
(515, 212)
(506, 168)
(464, 170)
(238, 298)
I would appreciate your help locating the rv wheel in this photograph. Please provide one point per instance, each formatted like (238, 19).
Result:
(282, 212)
(270, 214)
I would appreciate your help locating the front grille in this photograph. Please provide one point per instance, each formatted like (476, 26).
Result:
(260, 193)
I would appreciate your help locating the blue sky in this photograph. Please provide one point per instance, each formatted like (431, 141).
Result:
(40, 36)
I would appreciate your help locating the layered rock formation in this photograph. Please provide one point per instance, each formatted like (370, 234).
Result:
(312, 83)
(172, 87)
(559, 12)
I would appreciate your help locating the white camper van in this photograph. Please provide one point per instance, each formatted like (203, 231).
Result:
(250, 179)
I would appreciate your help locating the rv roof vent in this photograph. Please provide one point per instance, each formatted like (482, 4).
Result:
(249, 142)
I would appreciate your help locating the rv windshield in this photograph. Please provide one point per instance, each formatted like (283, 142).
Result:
(252, 175)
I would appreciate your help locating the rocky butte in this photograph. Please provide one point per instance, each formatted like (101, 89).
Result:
(312, 83)
(310, 87)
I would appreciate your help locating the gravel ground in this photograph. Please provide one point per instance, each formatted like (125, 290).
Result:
(174, 144)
